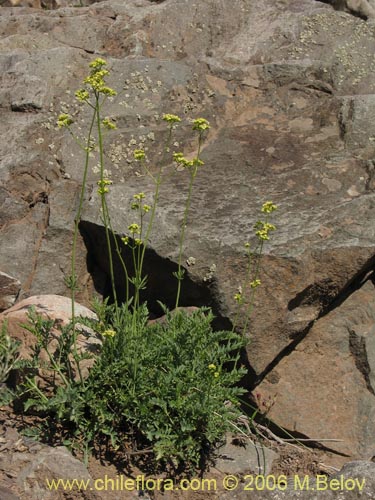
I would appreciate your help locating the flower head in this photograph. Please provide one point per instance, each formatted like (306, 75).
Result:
(262, 235)
(103, 186)
(64, 120)
(263, 230)
(108, 124)
(201, 124)
(107, 91)
(171, 118)
(97, 63)
(134, 228)
(180, 159)
(109, 333)
(255, 283)
(82, 95)
(268, 207)
(104, 182)
(96, 78)
(139, 154)
(212, 367)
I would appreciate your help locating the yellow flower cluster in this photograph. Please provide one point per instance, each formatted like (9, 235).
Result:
(181, 160)
(201, 124)
(139, 154)
(171, 118)
(108, 124)
(96, 81)
(137, 203)
(109, 333)
(255, 283)
(82, 95)
(103, 186)
(134, 228)
(263, 230)
(97, 63)
(268, 207)
(64, 120)
(213, 370)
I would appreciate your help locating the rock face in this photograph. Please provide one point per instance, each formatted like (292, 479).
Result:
(25, 465)
(327, 383)
(244, 458)
(57, 309)
(362, 8)
(9, 290)
(289, 90)
(47, 4)
(355, 480)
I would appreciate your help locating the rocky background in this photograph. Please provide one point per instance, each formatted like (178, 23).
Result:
(289, 89)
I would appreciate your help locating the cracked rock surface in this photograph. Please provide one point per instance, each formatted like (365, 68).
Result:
(288, 87)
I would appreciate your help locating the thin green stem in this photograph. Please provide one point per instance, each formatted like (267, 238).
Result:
(157, 181)
(103, 200)
(193, 174)
(243, 287)
(253, 290)
(118, 251)
(75, 238)
(36, 389)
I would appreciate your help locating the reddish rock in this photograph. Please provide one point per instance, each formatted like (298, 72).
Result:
(9, 290)
(325, 388)
(57, 309)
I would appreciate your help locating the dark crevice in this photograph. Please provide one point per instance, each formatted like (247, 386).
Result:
(366, 273)
(282, 354)
(321, 292)
(370, 171)
(325, 295)
(161, 284)
(41, 197)
(357, 345)
(299, 437)
(27, 107)
(345, 118)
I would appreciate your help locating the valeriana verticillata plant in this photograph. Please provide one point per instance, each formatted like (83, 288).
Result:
(169, 387)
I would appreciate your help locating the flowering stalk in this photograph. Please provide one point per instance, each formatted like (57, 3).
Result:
(65, 120)
(102, 192)
(139, 155)
(200, 125)
(262, 230)
(94, 85)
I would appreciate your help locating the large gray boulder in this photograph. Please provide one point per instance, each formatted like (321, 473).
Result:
(289, 90)
(29, 469)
